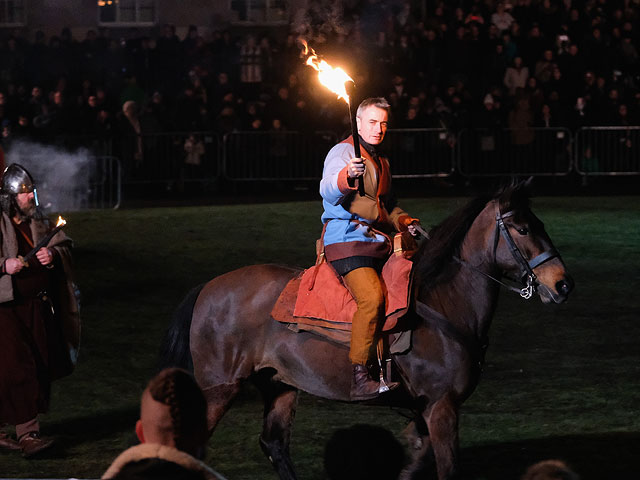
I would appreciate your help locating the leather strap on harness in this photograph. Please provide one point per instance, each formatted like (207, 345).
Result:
(319, 256)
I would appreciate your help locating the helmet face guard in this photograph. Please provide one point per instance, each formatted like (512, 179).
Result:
(16, 179)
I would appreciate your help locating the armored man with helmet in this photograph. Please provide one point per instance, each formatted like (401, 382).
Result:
(39, 319)
(356, 240)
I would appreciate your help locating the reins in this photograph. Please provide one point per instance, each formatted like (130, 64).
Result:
(426, 235)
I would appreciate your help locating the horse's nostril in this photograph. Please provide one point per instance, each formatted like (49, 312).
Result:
(565, 286)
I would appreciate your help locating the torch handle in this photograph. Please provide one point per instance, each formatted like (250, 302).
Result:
(350, 87)
(42, 243)
(356, 149)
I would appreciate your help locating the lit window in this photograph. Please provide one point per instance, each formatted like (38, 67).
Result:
(260, 11)
(12, 12)
(131, 12)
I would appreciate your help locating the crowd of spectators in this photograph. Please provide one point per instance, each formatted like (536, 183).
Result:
(470, 63)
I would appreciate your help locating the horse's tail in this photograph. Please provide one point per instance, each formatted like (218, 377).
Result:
(174, 350)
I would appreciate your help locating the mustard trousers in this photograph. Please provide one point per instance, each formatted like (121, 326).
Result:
(366, 288)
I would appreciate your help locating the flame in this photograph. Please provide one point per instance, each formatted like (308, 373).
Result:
(333, 78)
(61, 221)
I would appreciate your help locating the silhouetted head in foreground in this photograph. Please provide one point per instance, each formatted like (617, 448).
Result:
(550, 470)
(363, 452)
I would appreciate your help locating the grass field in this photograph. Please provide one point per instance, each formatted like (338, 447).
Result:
(560, 381)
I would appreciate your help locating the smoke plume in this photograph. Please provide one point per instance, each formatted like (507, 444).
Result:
(62, 178)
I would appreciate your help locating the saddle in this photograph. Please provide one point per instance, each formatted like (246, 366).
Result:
(317, 300)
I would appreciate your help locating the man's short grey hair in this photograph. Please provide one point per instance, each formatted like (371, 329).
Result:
(378, 102)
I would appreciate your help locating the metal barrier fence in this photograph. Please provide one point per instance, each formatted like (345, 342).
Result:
(531, 151)
(608, 151)
(420, 152)
(168, 157)
(177, 157)
(415, 153)
(105, 183)
(275, 155)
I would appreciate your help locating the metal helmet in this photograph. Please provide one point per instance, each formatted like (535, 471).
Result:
(16, 179)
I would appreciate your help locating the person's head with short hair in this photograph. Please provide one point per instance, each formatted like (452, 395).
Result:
(169, 30)
(283, 93)
(488, 101)
(130, 108)
(372, 118)
(58, 98)
(550, 470)
(173, 412)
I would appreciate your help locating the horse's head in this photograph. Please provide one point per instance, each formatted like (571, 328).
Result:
(523, 250)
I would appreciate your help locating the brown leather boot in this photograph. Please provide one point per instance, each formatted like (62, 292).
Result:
(363, 387)
(33, 443)
(7, 442)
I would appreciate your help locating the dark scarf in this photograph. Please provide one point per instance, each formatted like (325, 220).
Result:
(371, 149)
(374, 150)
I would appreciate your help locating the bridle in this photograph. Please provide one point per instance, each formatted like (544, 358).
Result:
(527, 278)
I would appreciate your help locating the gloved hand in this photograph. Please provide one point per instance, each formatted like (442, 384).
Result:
(356, 167)
(409, 223)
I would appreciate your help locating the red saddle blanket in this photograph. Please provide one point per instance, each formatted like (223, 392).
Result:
(320, 299)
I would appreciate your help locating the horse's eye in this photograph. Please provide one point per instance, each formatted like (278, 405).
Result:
(522, 230)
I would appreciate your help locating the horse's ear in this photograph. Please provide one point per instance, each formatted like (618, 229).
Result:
(527, 186)
(506, 191)
(515, 192)
(529, 181)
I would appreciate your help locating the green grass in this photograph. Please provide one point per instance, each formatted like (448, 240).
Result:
(559, 380)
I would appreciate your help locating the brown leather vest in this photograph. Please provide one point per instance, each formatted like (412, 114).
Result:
(377, 183)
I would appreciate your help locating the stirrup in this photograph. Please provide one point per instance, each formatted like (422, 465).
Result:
(383, 385)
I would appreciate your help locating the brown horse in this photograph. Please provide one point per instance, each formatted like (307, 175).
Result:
(225, 329)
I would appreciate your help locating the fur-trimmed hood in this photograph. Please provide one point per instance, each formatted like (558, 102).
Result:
(149, 451)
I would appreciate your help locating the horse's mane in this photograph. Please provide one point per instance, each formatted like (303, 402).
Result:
(435, 254)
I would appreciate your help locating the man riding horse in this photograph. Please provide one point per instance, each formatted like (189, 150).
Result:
(357, 224)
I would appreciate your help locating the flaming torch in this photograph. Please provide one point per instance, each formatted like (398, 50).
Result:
(45, 240)
(337, 81)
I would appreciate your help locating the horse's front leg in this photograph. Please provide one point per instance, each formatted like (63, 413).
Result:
(442, 422)
(419, 446)
(434, 436)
